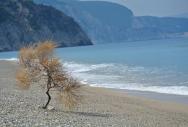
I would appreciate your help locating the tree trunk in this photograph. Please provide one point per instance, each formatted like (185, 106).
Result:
(49, 98)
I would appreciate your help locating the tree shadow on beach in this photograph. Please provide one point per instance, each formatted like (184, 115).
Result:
(90, 114)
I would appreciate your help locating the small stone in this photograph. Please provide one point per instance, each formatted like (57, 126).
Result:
(50, 108)
(21, 102)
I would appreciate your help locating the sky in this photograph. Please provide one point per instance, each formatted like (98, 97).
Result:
(154, 7)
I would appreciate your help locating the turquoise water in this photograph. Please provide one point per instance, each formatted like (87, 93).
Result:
(158, 66)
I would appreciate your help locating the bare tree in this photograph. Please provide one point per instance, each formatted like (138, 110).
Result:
(39, 65)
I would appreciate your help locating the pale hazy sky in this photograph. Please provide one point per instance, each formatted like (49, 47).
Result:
(155, 7)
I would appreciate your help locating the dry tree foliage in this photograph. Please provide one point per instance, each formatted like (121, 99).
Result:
(70, 95)
(23, 78)
(38, 63)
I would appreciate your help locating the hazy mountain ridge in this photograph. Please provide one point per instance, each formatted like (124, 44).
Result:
(110, 22)
(23, 22)
(182, 15)
(148, 27)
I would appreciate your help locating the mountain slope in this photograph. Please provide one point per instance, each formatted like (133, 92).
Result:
(110, 22)
(22, 22)
(102, 21)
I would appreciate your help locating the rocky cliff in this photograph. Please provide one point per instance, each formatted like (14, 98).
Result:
(23, 22)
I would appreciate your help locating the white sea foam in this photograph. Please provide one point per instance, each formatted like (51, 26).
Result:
(78, 68)
(93, 75)
(9, 59)
(178, 90)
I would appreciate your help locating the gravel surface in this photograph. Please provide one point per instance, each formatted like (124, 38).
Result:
(100, 108)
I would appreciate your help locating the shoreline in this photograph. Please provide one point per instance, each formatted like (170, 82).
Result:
(164, 97)
(179, 92)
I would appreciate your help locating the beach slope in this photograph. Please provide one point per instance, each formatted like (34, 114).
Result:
(100, 107)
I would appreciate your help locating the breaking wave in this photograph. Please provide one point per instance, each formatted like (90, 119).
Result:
(121, 76)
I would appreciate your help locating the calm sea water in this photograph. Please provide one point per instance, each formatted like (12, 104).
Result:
(157, 66)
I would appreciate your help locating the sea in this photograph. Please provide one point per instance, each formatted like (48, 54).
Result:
(159, 66)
